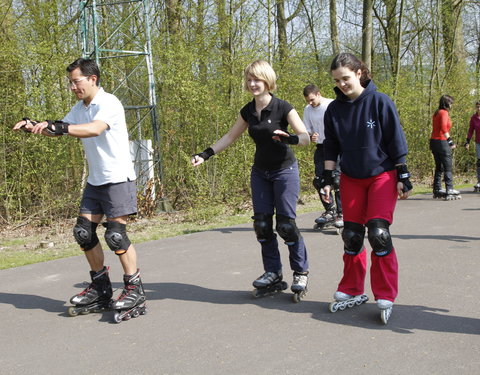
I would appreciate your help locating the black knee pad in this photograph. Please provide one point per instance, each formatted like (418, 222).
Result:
(379, 237)
(85, 233)
(352, 236)
(287, 229)
(316, 183)
(116, 237)
(263, 226)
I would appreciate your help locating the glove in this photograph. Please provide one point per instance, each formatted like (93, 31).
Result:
(404, 177)
(450, 142)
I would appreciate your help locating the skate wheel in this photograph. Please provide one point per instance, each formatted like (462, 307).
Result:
(297, 297)
(385, 315)
(333, 307)
(339, 231)
(136, 314)
(117, 317)
(255, 293)
(72, 311)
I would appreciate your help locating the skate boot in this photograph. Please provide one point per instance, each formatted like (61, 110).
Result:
(343, 300)
(299, 285)
(96, 297)
(269, 283)
(131, 302)
(476, 188)
(385, 307)
(439, 194)
(324, 220)
(452, 194)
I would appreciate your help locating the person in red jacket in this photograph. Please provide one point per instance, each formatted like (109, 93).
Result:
(441, 145)
(475, 127)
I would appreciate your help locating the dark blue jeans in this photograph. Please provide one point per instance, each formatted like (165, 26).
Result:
(442, 154)
(276, 192)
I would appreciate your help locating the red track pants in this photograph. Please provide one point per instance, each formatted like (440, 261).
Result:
(362, 200)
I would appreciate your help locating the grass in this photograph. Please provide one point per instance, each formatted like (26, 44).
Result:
(21, 246)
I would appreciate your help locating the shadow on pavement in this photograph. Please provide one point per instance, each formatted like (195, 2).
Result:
(405, 319)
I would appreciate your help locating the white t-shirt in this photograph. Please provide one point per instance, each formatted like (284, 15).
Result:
(108, 154)
(313, 119)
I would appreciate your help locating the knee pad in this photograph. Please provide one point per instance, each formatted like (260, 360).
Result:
(116, 237)
(85, 233)
(263, 227)
(379, 237)
(352, 236)
(316, 183)
(287, 229)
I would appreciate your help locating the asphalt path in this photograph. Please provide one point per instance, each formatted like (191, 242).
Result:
(203, 319)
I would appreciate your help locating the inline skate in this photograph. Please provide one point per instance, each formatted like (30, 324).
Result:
(131, 302)
(343, 301)
(329, 220)
(476, 188)
(299, 285)
(448, 195)
(386, 308)
(96, 297)
(269, 283)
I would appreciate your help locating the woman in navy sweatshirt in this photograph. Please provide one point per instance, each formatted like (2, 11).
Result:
(363, 128)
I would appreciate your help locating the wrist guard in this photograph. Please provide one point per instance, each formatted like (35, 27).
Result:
(450, 142)
(57, 127)
(467, 141)
(328, 178)
(404, 177)
(292, 139)
(206, 154)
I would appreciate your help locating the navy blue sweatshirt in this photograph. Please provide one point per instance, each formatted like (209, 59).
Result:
(365, 132)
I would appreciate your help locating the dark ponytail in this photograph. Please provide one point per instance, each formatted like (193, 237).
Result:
(349, 61)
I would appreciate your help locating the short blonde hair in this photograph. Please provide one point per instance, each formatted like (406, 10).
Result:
(263, 71)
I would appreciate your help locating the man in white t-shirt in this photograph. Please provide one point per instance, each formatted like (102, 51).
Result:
(313, 118)
(98, 119)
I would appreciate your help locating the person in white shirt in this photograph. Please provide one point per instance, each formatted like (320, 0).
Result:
(98, 119)
(313, 118)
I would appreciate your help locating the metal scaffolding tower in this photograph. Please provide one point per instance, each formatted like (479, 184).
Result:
(116, 34)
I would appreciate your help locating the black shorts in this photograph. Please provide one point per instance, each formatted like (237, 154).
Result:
(111, 200)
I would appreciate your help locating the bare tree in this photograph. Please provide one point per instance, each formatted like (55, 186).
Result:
(282, 23)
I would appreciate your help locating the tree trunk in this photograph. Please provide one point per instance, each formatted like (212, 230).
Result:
(334, 28)
(367, 33)
(453, 42)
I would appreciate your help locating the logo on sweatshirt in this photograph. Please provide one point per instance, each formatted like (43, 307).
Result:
(371, 124)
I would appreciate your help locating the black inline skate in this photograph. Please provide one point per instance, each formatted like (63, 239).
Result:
(131, 302)
(329, 220)
(96, 297)
(269, 283)
(299, 285)
(476, 188)
(448, 195)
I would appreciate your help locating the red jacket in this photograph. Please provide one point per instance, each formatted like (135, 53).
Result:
(441, 124)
